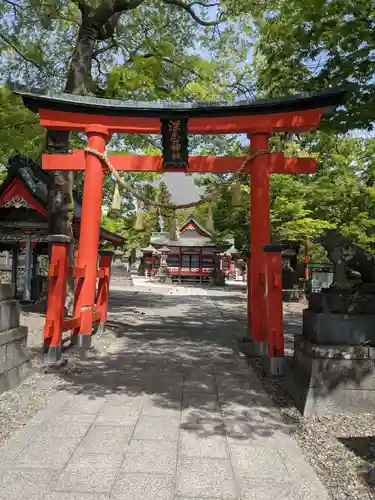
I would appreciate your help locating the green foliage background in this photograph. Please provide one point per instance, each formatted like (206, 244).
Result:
(263, 49)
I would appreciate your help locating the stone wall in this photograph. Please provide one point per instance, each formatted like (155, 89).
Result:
(333, 366)
(14, 356)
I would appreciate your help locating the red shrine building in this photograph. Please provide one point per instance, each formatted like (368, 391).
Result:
(24, 224)
(192, 255)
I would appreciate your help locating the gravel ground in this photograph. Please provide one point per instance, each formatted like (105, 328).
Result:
(23, 402)
(340, 445)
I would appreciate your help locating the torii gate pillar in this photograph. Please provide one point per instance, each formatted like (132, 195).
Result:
(90, 234)
(259, 236)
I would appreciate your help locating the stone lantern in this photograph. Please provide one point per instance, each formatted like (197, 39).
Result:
(162, 273)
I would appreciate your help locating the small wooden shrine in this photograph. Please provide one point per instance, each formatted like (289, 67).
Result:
(191, 256)
(24, 221)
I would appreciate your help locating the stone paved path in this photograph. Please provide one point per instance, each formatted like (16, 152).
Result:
(172, 413)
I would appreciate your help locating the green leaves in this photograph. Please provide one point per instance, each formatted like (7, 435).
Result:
(340, 195)
(20, 131)
(308, 46)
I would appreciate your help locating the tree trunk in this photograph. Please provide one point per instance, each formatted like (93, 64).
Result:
(80, 67)
(61, 200)
(97, 24)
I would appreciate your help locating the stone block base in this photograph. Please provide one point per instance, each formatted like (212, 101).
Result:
(9, 314)
(327, 378)
(252, 349)
(327, 328)
(14, 357)
(6, 291)
(166, 279)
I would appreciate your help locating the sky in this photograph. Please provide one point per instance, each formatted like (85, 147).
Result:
(182, 187)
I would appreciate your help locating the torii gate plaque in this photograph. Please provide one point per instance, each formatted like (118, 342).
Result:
(99, 118)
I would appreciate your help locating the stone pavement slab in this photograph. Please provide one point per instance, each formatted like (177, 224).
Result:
(94, 473)
(210, 477)
(143, 487)
(158, 457)
(63, 495)
(171, 413)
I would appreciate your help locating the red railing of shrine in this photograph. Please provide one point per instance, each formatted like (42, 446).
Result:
(58, 273)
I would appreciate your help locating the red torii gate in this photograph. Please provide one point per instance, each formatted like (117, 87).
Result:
(100, 118)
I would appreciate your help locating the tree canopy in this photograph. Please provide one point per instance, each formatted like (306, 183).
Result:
(206, 51)
(307, 46)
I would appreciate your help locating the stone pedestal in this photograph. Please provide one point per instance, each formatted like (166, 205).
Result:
(120, 275)
(333, 366)
(162, 276)
(14, 355)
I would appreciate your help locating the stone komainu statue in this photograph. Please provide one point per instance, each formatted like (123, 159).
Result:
(345, 257)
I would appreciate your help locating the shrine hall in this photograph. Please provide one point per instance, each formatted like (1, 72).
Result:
(24, 224)
(192, 255)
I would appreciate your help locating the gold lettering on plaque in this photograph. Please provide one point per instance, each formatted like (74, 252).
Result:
(174, 129)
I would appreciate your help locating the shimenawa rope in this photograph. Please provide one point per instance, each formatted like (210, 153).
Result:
(148, 202)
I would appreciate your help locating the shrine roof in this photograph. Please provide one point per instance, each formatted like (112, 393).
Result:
(192, 224)
(150, 248)
(39, 99)
(191, 234)
(24, 199)
(164, 240)
(232, 250)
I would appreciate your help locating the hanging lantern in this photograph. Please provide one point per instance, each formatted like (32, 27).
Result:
(236, 194)
(116, 200)
(210, 219)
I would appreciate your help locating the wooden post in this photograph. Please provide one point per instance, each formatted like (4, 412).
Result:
(103, 287)
(15, 253)
(77, 293)
(90, 231)
(28, 265)
(57, 281)
(34, 271)
(259, 236)
(274, 304)
(307, 250)
(249, 294)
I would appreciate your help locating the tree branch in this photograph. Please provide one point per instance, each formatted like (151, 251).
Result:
(14, 4)
(97, 52)
(19, 52)
(108, 8)
(168, 60)
(202, 4)
(103, 19)
(189, 9)
(98, 65)
(121, 5)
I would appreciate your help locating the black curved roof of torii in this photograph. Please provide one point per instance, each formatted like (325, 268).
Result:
(37, 99)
